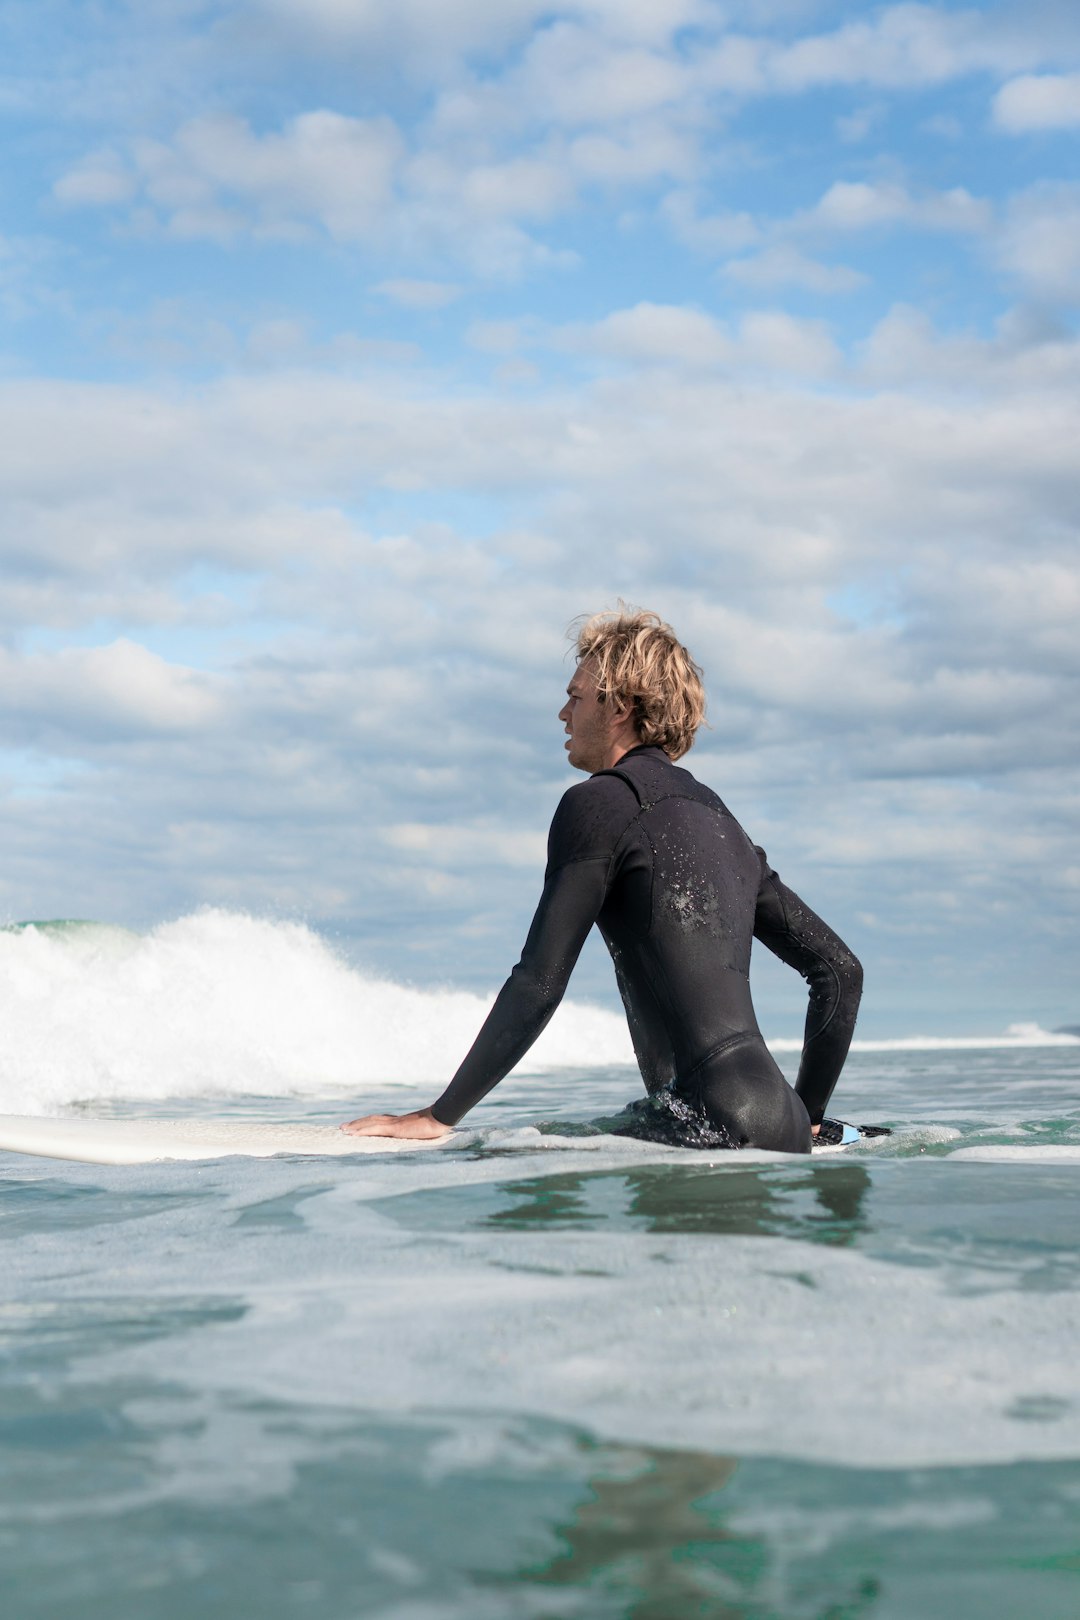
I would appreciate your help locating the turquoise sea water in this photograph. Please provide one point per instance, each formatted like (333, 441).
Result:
(542, 1372)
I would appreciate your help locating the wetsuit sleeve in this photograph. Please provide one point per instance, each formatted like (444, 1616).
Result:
(798, 937)
(579, 858)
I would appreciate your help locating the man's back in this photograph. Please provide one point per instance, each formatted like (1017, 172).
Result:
(678, 913)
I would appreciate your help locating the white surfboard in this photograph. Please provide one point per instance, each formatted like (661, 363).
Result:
(148, 1141)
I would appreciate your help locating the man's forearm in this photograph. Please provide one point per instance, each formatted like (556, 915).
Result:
(800, 938)
(519, 1015)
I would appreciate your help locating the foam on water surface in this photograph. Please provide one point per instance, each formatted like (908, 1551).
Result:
(1020, 1153)
(603, 1289)
(223, 1004)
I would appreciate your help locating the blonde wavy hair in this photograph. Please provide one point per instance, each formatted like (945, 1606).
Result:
(640, 663)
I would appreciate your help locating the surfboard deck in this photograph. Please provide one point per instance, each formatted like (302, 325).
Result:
(151, 1141)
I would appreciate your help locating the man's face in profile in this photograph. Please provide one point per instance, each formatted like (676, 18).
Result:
(589, 722)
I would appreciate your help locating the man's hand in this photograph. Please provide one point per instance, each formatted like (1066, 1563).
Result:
(419, 1126)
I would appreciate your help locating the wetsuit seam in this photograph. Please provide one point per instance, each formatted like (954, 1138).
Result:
(613, 858)
(740, 1038)
(578, 860)
(623, 777)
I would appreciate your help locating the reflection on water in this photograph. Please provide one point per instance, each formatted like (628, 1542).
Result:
(643, 1532)
(651, 1535)
(821, 1203)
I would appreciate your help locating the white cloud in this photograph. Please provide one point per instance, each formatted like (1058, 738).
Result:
(647, 149)
(218, 176)
(1039, 241)
(250, 471)
(1038, 102)
(117, 689)
(691, 340)
(581, 78)
(846, 208)
(423, 35)
(321, 167)
(856, 126)
(783, 343)
(1027, 353)
(710, 233)
(530, 188)
(415, 294)
(902, 47)
(99, 180)
(856, 205)
(496, 337)
(663, 334)
(475, 846)
(352, 178)
(783, 265)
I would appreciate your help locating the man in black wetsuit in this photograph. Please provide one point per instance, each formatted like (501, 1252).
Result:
(678, 891)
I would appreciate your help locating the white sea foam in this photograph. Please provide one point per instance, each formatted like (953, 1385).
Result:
(615, 1331)
(1020, 1153)
(220, 1003)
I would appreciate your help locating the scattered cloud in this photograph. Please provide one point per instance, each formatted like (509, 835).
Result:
(783, 265)
(855, 126)
(1039, 242)
(901, 47)
(99, 180)
(720, 233)
(1042, 101)
(421, 295)
(857, 205)
(66, 699)
(218, 176)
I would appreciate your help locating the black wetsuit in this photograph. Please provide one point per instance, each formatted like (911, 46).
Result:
(660, 864)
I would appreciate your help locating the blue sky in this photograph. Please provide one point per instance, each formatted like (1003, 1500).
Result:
(348, 351)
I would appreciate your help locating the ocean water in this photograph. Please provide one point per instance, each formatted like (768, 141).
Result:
(539, 1372)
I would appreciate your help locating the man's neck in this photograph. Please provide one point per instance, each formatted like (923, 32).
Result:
(618, 750)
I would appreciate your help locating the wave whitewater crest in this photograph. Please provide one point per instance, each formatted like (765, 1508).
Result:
(223, 1004)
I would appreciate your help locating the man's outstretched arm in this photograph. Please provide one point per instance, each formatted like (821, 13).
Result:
(569, 905)
(799, 937)
(568, 908)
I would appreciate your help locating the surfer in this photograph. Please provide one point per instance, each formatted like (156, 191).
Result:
(657, 861)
